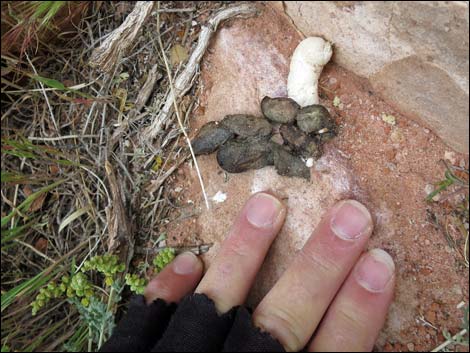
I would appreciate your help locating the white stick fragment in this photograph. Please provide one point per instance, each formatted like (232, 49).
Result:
(305, 68)
(219, 197)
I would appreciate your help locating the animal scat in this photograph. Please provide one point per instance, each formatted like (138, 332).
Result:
(211, 136)
(279, 110)
(239, 155)
(244, 125)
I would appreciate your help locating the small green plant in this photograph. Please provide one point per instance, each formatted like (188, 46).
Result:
(45, 295)
(27, 21)
(107, 265)
(136, 283)
(163, 258)
(78, 286)
(459, 339)
(98, 315)
(96, 308)
(449, 179)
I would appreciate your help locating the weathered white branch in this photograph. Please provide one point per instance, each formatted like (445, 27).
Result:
(185, 80)
(106, 55)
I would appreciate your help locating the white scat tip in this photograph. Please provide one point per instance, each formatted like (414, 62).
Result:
(305, 68)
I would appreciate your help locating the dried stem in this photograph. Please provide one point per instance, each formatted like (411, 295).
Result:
(180, 122)
(185, 80)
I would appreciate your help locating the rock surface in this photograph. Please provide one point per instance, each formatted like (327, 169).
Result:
(385, 167)
(414, 53)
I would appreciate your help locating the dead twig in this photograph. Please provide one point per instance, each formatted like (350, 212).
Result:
(155, 184)
(196, 249)
(180, 122)
(186, 79)
(140, 101)
(121, 236)
(105, 57)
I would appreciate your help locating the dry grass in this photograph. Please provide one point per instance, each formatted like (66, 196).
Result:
(58, 120)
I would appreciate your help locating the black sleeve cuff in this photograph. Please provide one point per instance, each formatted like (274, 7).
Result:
(141, 327)
(195, 326)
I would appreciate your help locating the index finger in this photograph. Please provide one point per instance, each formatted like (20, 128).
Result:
(230, 276)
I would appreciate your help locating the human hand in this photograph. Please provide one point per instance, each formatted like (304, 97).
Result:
(332, 291)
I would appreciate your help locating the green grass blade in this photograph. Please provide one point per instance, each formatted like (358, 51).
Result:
(52, 11)
(19, 178)
(50, 82)
(440, 188)
(16, 232)
(69, 219)
(29, 200)
(25, 288)
(77, 342)
(44, 335)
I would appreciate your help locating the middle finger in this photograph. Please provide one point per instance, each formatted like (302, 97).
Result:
(295, 305)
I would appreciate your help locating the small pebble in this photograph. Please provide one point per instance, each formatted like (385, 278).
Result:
(389, 119)
(397, 135)
(219, 197)
(450, 156)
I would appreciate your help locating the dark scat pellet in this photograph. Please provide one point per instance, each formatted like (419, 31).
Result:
(312, 149)
(244, 125)
(289, 165)
(300, 142)
(315, 119)
(211, 136)
(279, 110)
(293, 136)
(239, 155)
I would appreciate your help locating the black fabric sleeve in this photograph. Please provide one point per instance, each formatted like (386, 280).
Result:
(141, 327)
(195, 326)
(246, 337)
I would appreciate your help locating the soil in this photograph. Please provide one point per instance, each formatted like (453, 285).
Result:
(385, 166)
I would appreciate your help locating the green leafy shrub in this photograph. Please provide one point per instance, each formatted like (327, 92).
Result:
(107, 265)
(136, 283)
(163, 258)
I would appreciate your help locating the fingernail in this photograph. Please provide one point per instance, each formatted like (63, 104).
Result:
(375, 270)
(263, 210)
(350, 220)
(185, 263)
